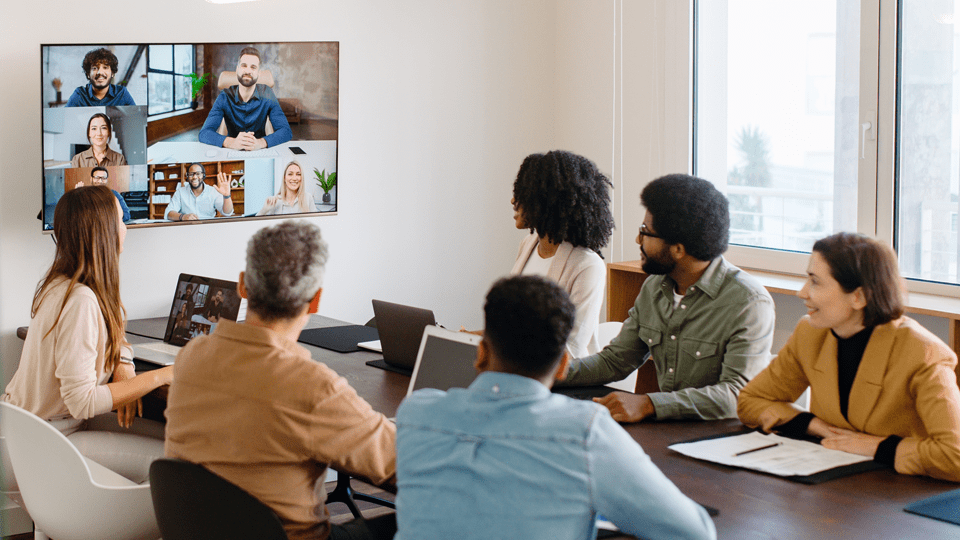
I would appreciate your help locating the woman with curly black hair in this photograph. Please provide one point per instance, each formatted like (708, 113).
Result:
(565, 202)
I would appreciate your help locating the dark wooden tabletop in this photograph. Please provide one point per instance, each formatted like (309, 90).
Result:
(751, 504)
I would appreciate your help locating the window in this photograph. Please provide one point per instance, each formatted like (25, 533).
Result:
(167, 70)
(820, 116)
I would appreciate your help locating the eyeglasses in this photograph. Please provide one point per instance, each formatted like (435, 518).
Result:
(100, 178)
(195, 175)
(644, 231)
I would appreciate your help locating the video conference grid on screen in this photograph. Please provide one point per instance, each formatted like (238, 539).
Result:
(199, 131)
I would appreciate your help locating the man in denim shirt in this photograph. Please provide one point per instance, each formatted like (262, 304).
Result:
(506, 458)
(706, 325)
(245, 109)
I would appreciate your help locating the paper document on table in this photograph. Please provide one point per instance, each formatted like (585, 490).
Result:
(768, 453)
(371, 345)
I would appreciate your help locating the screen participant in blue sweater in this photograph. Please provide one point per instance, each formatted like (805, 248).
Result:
(244, 109)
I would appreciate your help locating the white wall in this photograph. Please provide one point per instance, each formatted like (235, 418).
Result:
(439, 103)
(622, 97)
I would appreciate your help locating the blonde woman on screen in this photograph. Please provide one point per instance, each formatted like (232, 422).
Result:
(293, 198)
(99, 132)
(76, 366)
(881, 385)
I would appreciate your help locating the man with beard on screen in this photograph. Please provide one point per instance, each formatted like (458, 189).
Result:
(199, 200)
(244, 109)
(706, 325)
(99, 66)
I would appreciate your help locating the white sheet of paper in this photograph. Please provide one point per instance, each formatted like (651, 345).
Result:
(789, 458)
(371, 346)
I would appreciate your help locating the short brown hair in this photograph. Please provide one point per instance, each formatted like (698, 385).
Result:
(251, 51)
(856, 260)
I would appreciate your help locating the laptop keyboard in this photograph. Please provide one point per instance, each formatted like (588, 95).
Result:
(161, 346)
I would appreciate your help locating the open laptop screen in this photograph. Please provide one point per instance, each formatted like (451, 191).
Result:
(445, 360)
(198, 305)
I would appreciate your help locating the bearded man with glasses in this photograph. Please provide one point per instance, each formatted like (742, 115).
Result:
(705, 324)
(199, 200)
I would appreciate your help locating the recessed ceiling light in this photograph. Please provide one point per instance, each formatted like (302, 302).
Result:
(229, 1)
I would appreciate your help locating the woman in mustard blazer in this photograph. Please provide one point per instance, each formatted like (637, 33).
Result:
(880, 384)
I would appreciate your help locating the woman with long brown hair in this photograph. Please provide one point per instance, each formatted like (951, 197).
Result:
(76, 365)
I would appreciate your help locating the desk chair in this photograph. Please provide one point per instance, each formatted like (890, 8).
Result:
(345, 494)
(605, 334)
(192, 502)
(67, 495)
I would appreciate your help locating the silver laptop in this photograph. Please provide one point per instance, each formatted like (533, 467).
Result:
(199, 303)
(445, 360)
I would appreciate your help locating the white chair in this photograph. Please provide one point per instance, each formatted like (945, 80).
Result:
(605, 333)
(67, 495)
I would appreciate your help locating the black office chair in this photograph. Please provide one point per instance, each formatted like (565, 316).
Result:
(191, 502)
(345, 494)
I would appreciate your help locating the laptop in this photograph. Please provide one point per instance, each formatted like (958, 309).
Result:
(400, 328)
(445, 360)
(199, 303)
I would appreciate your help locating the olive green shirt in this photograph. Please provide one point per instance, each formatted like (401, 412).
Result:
(705, 350)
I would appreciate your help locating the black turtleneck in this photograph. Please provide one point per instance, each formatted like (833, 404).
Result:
(849, 354)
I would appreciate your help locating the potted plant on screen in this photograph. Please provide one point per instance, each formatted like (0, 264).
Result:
(326, 182)
(196, 85)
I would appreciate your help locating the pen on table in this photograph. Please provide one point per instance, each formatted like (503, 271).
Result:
(738, 454)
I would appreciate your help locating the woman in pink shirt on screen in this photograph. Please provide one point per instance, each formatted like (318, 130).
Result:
(76, 366)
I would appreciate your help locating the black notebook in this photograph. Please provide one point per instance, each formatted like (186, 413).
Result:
(816, 478)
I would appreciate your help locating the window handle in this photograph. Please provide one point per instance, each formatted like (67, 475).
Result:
(864, 128)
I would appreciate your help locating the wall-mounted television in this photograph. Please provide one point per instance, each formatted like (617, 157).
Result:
(193, 132)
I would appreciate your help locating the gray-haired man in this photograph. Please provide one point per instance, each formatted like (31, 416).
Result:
(252, 406)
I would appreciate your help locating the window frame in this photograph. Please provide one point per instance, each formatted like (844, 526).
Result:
(876, 171)
(174, 74)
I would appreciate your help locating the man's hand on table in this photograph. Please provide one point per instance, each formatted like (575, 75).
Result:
(625, 407)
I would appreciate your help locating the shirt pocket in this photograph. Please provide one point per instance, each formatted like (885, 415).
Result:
(652, 338)
(700, 363)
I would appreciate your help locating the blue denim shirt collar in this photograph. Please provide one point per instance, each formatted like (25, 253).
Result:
(495, 385)
(111, 91)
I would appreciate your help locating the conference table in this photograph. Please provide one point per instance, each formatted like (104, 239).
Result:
(750, 504)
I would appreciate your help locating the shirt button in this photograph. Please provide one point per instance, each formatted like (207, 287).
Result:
(670, 370)
(649, 340)
(698, 353)
(683, 306)
(496, 388)
(673, 338)
(690, 289)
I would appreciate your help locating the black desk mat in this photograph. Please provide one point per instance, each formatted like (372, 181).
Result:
(341, 339)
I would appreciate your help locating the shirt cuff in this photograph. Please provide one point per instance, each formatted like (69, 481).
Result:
(664, 405)
(887, 451)
(796, 427)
